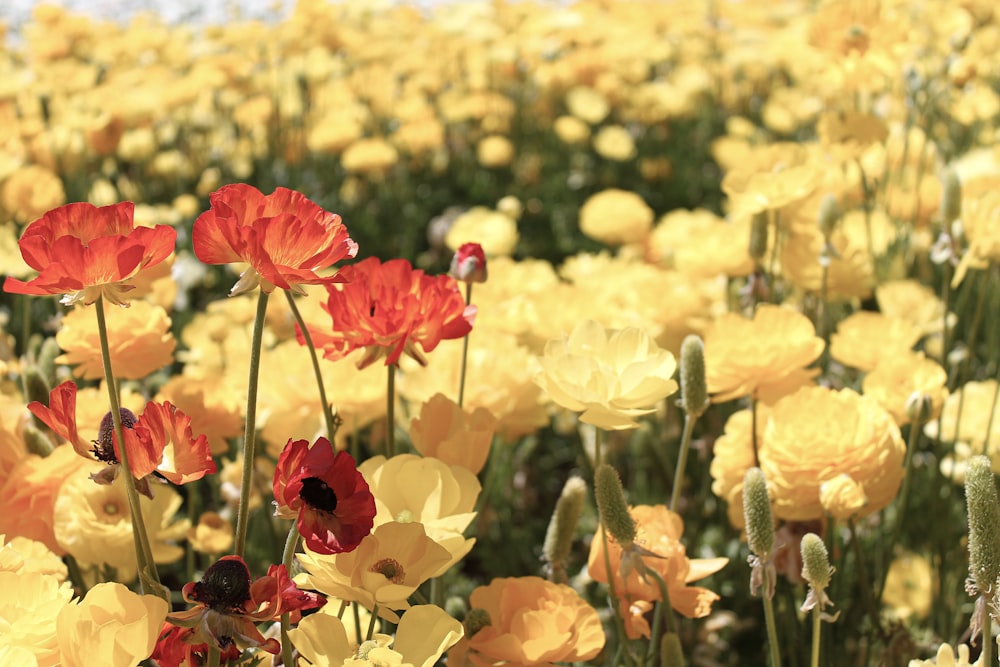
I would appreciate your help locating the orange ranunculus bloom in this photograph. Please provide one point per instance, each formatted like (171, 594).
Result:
(84, 252)
(159, 440)
(447, 432)
(532, 622)
(283, 236)
(389, 309)
(659, 531)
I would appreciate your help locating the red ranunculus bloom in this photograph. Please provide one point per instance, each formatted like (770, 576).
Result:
(160, 440)
(325, 492)
(177, 647)
(85, 252)
(228, 606)
(388, 309)
(469, 264)
(283, 236)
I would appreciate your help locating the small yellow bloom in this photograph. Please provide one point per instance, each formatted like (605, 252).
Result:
(611, 377)
(494, 231)
(616, 217)
(449, 433)
(111, 622)
(571, 130)
(908, 586)
(614, 142)
(865, 338)
(213, 535)
(900, 378)
(842, 497)
(369, 156)
(974, 401)
(587, 104)
(25, 555)
(31, 191)
(494, 151)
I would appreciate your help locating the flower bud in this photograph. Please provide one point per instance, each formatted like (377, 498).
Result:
(815, 561)
(612, 506)
(951, 196)
(758, 236)
(757, 513)
(984, 525)
(562, 526)
(36, 388)
(476, 620)
(36, 441)
(671, 652)
(469, 264)
(829, 214)
(694, 390)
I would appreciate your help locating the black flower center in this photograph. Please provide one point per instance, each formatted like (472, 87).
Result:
(318, 494)
(224, 587)
(391, 569)
(104, 448)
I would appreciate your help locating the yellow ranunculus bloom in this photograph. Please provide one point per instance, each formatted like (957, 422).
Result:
(29, 605)
(369, 156)
(616, 217)
(495, 151)
(447, 432)
(587, 104)
(213, 534)
(494, 231)
(899, 378)
(611, 377)
(842, 497)
(865, 338)
(112, 623)
(909, 586)
(24, 555)
(614, 143)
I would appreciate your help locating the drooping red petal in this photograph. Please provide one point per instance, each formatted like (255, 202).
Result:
(60, 416)
(182, 458)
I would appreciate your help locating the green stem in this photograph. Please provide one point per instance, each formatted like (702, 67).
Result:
(250, 434)
(904, 495)
(664, 603)
(817, 630)
(986, 657)
(866, 593)
(214, 656)
(772, 631)
(597, 448)
(682, 457)
(465, 350)
(355, 608)
(148, 576)
(286, 559)
(371, 623)
(390, 412)
(307, 337)
(753, 427)
(989, 424)
(615, 606)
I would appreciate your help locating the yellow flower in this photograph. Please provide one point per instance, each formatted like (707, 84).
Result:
(765, 356)
(494, 151)
(437, 495)
(732, 456)
(29, 605)
(908, 586)
(699, 243)
(611, 379)
(616, 217)
(531, 622)
(571, 130)
(975, 403)
(587, 104)
(899, 378)
(139, 339)
(756, 191)
(424, 633)
(334, 132)
(912, 301)
(111, 622)
(495, 231)
(214, 406)
(447, 432)
(842, 497)
(614, 142)
(24, 555)
(385, 569)
(213, 535)
(817, 434)
(369, 156)
(31, 191)
(92, 522)
(865, 338)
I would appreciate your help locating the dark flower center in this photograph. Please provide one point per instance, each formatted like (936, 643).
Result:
(104, 448)
(224, 587)
(318, 494)
(391, 569)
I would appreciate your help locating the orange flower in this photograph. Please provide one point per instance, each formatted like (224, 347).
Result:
(284, 237)
(659, 531)
(388, 309)
(84, 252)
(447, 432)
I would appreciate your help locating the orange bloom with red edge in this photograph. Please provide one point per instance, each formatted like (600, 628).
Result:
(85, 252)
(389, 309)
(159, 440)
(284, 237)
(229, 605)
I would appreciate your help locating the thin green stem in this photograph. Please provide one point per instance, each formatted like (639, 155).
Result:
(664, 603)
(772, 630)
(307, 337)
(214, 656)
(904, 496)
(371, 623)
(986, 623)
(753, 427)
(286, 559)
(615, 606)
(866, 593)
(465, 350)
(148, 576)
(817, 631)
(356, 609)
(682, 458)
(989, 424)
(250, 433)
(390, 412)
(597, 448)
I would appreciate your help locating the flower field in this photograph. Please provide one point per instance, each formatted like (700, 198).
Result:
(621, 334)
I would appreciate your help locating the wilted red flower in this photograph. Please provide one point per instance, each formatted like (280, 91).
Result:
(324, 490)
(85, 252)
(283, 236)
(159, 440)
(469, 264)
(228, 606)
(177, 647)
(388, 309)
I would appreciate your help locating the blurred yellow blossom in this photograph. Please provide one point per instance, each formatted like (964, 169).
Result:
(495, 151)
(842, 497)
(369, 156)
(910, 300)
(496, 232)
(587, 104)
(616, 217)
(975, 401)
(700, 243)
(865, 338)
(613, 142)
(571, 130)
(212, 535)
(899, 378)
(908, 586)
(31, 191)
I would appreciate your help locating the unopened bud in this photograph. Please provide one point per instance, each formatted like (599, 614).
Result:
(918, 407)
(951, 196)
(36, 441)
(815, 561)
(469, 264)
(829, 214)
(36, 388)
(671, 651)
(984, 525)
(694, 390)
(758, 236)
(757, 513)
(611, 505)
(47, 360)
(562, 526)
(476, 620)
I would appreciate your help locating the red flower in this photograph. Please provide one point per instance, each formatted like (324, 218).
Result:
(159, 440)
(388, 309)
(326, 493)
(228, 605)
(284, 237)
(178, 647)
(469, 264)
(84, 252)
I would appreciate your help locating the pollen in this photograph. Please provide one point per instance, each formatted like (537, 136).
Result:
(390, 569)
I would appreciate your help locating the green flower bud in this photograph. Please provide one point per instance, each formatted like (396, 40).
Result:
(758, 236)
(757, 513)
(951, 197)
(694, 390)
(562, 526)
(36, 441)
(46, 361)
(365, 648)
(984, 525)
(829, 214)
(36, 388)
(815, 561)
(671, 652)
(476, 620)
(612, 506)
